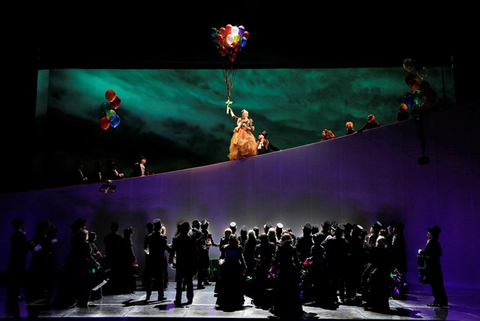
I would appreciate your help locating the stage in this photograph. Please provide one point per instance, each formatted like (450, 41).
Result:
(464, 304)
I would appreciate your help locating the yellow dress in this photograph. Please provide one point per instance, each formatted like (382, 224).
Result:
(243, 143)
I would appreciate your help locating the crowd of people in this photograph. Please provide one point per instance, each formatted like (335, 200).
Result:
(327, 265)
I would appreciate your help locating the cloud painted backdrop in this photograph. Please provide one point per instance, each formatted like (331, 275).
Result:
(177, 117)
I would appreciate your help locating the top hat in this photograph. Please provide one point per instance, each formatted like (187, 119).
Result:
(307, 226)
(264, 133)
(17, 222)
(435, 230)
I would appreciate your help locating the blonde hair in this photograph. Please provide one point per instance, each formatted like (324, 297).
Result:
(349, 124)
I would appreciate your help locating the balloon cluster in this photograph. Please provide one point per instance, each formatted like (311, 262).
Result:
(229, 40)
(108, 109)
(421, 95)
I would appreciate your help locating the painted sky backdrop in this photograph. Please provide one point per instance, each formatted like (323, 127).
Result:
(177, 117)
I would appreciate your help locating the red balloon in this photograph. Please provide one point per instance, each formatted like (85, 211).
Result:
(110, 95)
(222, 51)
(232, 57)
(246, 34)
(228, 29)
(104, 123)
(219, 39)
(115, 102)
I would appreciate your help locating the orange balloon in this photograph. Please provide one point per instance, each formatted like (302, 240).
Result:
(110, 95)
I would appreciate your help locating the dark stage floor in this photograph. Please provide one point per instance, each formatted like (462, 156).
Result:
(464, 305)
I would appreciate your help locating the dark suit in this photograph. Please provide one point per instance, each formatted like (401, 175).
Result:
(157, 244)
(265, 147)
(185, 250)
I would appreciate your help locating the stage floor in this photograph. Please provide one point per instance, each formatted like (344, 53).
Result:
(464, 305)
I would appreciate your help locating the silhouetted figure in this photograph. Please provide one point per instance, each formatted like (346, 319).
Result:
(232, 276)
(97, 175)
(287, 303)
(128, 261)
(42, 272)
(78, 176)
(17, 260)
(432, 253)
(112, 243)
(184, 250)
(157, 246)
(376, 278)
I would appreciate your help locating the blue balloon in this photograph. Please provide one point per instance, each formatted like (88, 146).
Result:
(408, 99)
(114, 120)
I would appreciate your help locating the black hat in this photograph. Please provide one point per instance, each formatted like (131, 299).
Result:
(267, 226)
(204, 223)
(279, 225)
(435, 230)
(264, 133)
(233, 225)
(157, 222)
(399, 225)
(326, 224)
(195, 223)
(377, 226)
(17, 222)
(307, 226)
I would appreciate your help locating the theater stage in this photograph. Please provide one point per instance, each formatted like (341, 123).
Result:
(464, 306)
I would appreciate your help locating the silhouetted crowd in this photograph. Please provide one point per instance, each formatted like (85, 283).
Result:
(326, 266)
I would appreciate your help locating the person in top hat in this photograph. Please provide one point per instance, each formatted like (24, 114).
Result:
(432, 253)
(17, 260)
(264, 145)
(304, 242)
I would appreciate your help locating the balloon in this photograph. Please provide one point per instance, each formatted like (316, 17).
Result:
(230, 39)
(422, 73)
(116, 102)
(222, 51)
(234, 30)
(233, 57)
(231, 50)
(105, 107)
(110, 95)
(114, 120)
(228, 29)
(408, 99)
(243, 42)
(110, 113)
(219, 39)
(213, 32)
(104, 123)
(418, 97)
(222, 32)
(246, 34)
(412, 82)
(241, 29)
(408, 64)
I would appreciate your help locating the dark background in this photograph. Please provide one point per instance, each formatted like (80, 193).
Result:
(175, 35)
